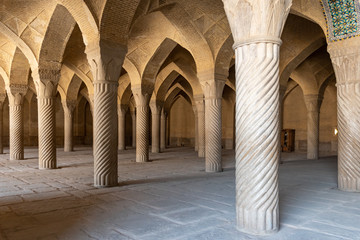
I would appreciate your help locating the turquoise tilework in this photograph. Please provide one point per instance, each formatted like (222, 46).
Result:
(342, 18)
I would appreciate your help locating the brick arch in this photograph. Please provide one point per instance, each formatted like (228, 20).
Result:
(116, 20)
(169, 73)
(56, 37)
(21, 44)
(84, 18)
(224, 57)
(20, 68)
(124, 90)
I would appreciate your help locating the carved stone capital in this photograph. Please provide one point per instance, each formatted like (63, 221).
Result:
(213, 89)
(256, 20)
(312, 102)
(156, 106)
(69, 106)
(199, 102)
(345, 56)
(16, 93)
(122, 109)
(141, 97)
(105, 59)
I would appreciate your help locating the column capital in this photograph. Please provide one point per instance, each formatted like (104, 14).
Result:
(249, 20)
(16, 93)
(105, 59)
(199, 102)
(212, 83)
(345, 56)
(156, 106)
(313, 102)
(141, 96)
(69, 105)
(46, 80)
(122, 109)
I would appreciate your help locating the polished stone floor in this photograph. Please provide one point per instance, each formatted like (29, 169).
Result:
(170, 197)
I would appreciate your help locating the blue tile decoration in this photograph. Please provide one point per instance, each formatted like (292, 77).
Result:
(342, 17)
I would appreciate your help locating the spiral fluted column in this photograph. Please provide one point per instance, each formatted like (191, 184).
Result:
(196, 145)
(69, 107)
(163, 131)
(313, 108)
(105, 59)
(2, 99)
(46, 80)
(121, 126)
(47, 133)
(213, 95)
(345, 57)
(133, 125)
(257, 151)
(155, 130)
(142, 124)
(106, 134)
(201, 126)
(16, 95)
(257, 137)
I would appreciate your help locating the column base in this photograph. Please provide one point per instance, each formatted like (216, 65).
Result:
(348, 185)
(257, 222)
(201, 152)
(15, 157)
(213, 168)
(311, 156)
(142, 158)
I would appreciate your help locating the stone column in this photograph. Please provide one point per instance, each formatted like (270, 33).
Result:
(133, 118)
(2, 99)
(69, 107)
(213, 90)
(105, 60)
(46, 80)
(196, 128)
(257, 44)
(282, 91)
(312, 103)
(199, 101)
(163, 131)
(121, 126)
(345, 56)
(155, 135)
(142, 124)
(16, 93)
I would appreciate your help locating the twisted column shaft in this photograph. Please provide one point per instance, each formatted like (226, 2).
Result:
(201, 128)
(196, 138)
(106, 134)
(257, 137)
(345, 57)
(121, 127)
(142, 133)
(16, 132)
(312, 104)
(155, 130)
(16, 93)
(213, 135)
(163, 131)
(69, 108)
(47, 133)
(349, 136)
(133, 118)
(1, 127)
(142, 98)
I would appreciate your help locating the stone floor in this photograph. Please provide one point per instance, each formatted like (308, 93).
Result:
(170, 197)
